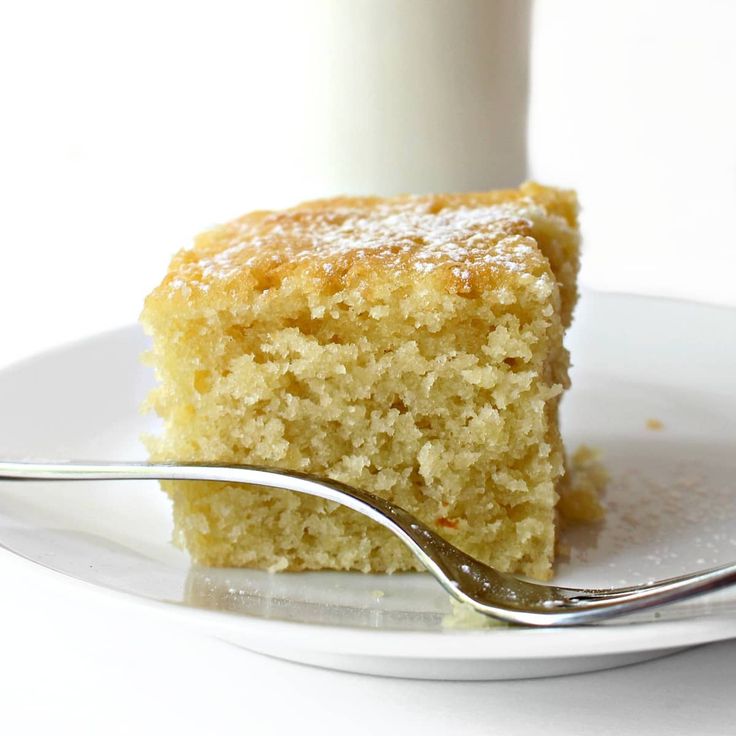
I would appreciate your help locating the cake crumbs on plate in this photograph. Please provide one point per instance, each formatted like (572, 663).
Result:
(464, 616)
(655, 425)
(585, 482)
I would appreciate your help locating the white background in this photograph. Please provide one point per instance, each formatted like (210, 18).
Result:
(125, 128)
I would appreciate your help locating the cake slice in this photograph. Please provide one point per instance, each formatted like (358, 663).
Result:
(410, 346)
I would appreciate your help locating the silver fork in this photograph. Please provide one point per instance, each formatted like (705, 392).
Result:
(500, 595)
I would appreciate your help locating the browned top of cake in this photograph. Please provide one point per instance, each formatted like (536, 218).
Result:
(465, 240)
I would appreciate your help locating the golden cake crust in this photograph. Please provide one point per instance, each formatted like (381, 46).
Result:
(466, 242)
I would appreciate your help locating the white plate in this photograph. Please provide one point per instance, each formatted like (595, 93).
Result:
(672, 507)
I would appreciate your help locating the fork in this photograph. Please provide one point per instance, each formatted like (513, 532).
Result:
(493, 593)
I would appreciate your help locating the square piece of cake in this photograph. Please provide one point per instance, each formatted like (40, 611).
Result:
(410, 346)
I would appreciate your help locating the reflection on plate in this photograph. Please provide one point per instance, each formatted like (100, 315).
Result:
(653, 389)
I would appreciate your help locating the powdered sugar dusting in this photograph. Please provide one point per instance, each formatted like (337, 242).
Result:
(663, 518)
(412, 233)
(449, 236)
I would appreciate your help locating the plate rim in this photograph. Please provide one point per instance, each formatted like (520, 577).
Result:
(500, 644)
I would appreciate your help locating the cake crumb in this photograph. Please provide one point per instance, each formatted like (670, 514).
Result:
(580, 494)
(464, 616)
(655, 425)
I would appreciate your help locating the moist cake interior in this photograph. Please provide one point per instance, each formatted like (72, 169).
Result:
(410, 346)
